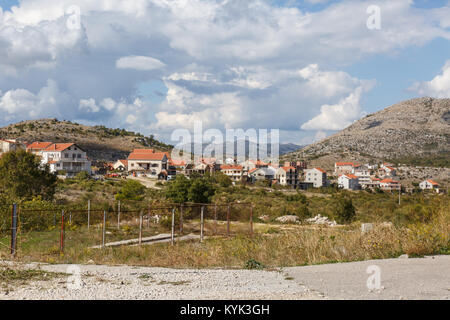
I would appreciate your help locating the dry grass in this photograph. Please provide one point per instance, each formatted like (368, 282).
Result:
(272, 246)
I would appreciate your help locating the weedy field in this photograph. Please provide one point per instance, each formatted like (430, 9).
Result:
(418, 226)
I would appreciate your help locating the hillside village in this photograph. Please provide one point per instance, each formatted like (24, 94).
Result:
(69, 159)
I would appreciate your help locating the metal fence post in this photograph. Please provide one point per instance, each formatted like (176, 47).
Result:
(118, 215)
(215, 218)
(228, 219)
(173, 227)
(89, 214)
(104, 229)
(181, 219)
(202, 223)
(14, 219)
(148, 216)
(140, 227)
(251, 220)
(70, 217)
(61, 236)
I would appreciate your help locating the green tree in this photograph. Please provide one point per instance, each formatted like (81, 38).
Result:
(132, 190)
(344, 211)
(23, 178)
(201, 191)
(177, 190)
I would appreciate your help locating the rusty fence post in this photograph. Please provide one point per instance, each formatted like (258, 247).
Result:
(215, 218)
(181, 219)
(251, 220)
(62, 233)
(202, 223)
(173, 227)
(104, 230)
(14, 222)
(228, 219)
(118, 215)
(89, 214)
(140, 227)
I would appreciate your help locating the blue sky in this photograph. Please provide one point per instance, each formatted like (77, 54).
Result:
(306, 67)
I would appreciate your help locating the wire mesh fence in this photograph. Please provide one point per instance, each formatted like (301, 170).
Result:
(25, 230)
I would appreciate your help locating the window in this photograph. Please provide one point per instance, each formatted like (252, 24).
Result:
(66, 155)
(79, 156)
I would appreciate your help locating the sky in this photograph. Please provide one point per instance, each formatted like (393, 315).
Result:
(308, 67)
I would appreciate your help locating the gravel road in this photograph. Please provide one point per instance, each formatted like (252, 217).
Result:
(124, 282)
(426, 278)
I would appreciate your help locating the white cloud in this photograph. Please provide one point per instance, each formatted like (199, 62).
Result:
(230, 63)
(139, 63)
(438, 87)
(337, 116)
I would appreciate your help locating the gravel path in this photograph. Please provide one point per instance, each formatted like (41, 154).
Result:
(124, 282)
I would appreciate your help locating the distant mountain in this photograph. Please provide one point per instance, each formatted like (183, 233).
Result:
(231, 148)
(100, 143)
(415, 131)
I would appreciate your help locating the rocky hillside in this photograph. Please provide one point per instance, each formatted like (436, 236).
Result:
(416, 132)
(101, 143)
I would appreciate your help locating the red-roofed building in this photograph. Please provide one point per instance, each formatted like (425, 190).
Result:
(66, 157)
(390, 185)
(147, 162)
(121, 165)
(429, 185)
(37, 147)
(341, 168)
(234, 172)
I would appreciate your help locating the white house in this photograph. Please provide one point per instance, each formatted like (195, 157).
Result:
(344, 168)
(287, 176)
(9, 145)
(67, 157)
(234, 172)
(429, 185)
(317, 176)
(258, 174)
(121, 165)
(363, 174)
(147, 161)
(348, 182)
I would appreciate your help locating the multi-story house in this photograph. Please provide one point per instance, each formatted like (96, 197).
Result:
(37, 147)
(287, 176)
(348, 182)
(341, 168)
(363, 174)
(148, 162)
(234, 172)
(390, 185)
(67, 157)
(317, 176)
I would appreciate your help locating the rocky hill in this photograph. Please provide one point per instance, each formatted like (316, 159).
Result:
(413, 132)
(101, 143)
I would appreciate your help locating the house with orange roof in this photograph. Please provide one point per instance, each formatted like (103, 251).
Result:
(287, 176)
(429, 185)
(233, 171)
(349, 182)
(317, 176)
(66, 157)
(390, 185)
(341, 168)
(148, 162)
(37, 147)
